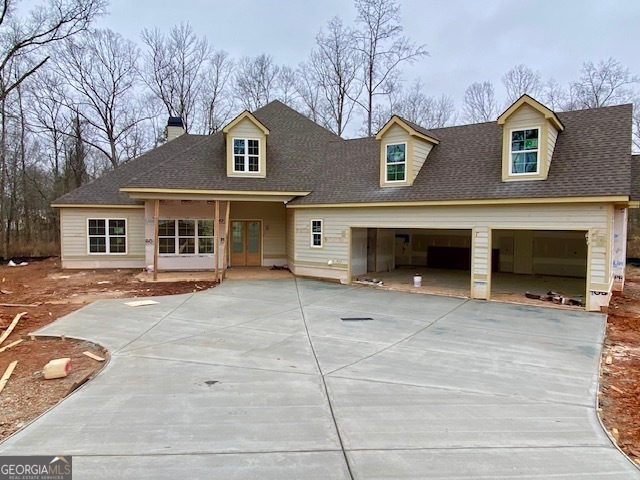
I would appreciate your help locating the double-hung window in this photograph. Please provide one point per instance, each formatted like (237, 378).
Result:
(524, 151)
(185, 237)
(396, 162)
(107, 235)
(246, 155)
(316, 233)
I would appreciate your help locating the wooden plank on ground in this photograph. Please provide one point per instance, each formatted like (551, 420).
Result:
(22, 305)
(7, 374)
(95, 357)
(78, 383)
(141, 303)
(7, 347)
(8, 331)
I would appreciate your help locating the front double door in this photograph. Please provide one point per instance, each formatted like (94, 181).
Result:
(246, 243)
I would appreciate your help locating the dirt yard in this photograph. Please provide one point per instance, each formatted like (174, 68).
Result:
(46, 292)
(620, 384)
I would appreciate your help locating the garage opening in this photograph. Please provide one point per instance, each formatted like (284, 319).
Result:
(442, 257)
(538, 261)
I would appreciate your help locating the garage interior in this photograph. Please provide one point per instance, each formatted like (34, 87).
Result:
(535, 261)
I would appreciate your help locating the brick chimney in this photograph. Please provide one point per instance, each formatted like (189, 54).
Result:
(174, 129)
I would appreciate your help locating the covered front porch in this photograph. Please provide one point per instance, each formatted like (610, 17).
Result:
(200, 234)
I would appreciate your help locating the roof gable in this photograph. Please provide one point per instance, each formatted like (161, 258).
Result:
(536, 105)
(249, 116)
(411, 128)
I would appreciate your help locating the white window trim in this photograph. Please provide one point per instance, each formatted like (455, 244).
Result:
(386, 162)
(106, 236)
(176, 237)
(312, 233)
(511, 152)
(246, 156)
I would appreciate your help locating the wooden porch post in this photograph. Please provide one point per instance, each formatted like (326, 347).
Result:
(156, 217)
(216, 236)
(226, 238)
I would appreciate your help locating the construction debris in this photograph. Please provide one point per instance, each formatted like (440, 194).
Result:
(609, 360)
(557, 298)
(141, 303)
(13, 344)
(616, 389)
(95, 357)
(8, 331)
(14, 264)
(57, 368)
(369, 281)
(7, 374)
(78, 383)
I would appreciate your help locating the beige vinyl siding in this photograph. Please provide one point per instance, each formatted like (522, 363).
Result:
(273, 216)
(291, 235)
(395, 134)
(525, 116)
(551, 144)
(74, 238)
(337, 223)
(246, 129)
(421, 149)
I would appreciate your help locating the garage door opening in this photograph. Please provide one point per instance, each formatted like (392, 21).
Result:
(394, 256)
(538, 262)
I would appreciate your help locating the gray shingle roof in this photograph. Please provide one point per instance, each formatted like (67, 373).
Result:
(105, 189)
(295, 153)
(592, 158)
(635, 177)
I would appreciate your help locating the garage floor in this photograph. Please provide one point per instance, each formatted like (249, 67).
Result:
(265, 380)
(505, 286)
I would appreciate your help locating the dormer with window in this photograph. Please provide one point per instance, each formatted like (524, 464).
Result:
(529, 133)
(404, 148)
(246, 144)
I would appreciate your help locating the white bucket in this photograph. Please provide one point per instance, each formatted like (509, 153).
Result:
(417, 280)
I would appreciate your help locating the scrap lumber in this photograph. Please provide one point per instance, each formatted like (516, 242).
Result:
(613, 387)
(78, 383)
(140, 303)
(609, 360)
(615, 434)
(23, 305)
(95, 357)
(8, 331)
(7, 347)
(7, 374)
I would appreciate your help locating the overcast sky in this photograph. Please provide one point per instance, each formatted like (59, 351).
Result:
(468, 40)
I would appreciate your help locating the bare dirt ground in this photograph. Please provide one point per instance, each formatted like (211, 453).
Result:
(51, 292)
(46, 292)
(620, 400)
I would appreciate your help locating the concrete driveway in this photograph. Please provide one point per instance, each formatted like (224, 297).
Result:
(227, 384)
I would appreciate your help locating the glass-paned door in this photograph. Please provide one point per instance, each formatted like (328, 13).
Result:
(246, 243)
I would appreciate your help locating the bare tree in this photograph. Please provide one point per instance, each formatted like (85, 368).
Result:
(256, 81)
(22, 54)
(636, 125)
(426, 111)
(286, 85)
(479, 103)
(101, 70)
(218, 104)
(555, 96)
(335, 65)
(384, 49)
(312, 100)
(602, 84)
(520, 80)
(174, 67)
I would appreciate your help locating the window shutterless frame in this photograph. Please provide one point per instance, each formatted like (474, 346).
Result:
(107, 236)
(246, 155)
(185, 237)
(316, 239)
(527, 147)
(395, 162)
